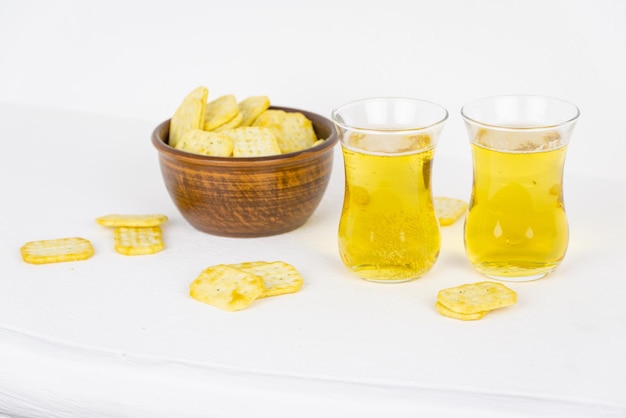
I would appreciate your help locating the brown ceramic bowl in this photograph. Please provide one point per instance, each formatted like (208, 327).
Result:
(248, 197)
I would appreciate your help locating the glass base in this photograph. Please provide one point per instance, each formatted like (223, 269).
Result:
(373, 280)
(511, 273)
(388, 274)
(515, 278)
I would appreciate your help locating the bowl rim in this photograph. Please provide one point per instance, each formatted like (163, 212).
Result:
(160, 144)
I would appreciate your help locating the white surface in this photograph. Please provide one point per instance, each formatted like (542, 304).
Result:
(341, 346)
(119, 336)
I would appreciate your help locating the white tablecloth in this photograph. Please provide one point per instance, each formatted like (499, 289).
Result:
(119, 336)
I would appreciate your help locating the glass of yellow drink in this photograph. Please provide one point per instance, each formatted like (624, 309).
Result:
(516, 228)
(388, 231)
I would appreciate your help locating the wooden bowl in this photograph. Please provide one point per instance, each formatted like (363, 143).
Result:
(248, 197)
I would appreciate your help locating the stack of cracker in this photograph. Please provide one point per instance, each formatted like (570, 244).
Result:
(233, 287)
(135, 234)
(473, 301)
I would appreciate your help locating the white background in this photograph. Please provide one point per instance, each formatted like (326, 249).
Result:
(138, 59)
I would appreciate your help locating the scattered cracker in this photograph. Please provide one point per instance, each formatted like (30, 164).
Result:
(279, 278)
(443, 310)
(56, 250)
(138, 241)
(449, 210)
(477, 297)
(226, 287)
(140, 221)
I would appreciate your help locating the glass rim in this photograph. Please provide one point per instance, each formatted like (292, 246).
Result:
(336, 111)
(565, 121)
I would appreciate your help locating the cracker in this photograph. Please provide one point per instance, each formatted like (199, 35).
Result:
(477, 297)
(251, 107)
(226, 287)
(443, 310)
(115, 220)
(293, 130)
(220, 111)
(449, 210)
(137, 240)
(231, 124)
(279, 278)
(206, 143)
(189, 115)
(252, 141)
(318, 142)
(56, 250)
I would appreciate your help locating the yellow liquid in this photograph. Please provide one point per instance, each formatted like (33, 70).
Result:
(388, 230)
(516, 227)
